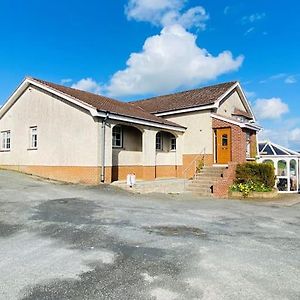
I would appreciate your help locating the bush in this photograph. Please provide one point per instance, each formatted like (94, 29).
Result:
(248, 187)
(257, 174)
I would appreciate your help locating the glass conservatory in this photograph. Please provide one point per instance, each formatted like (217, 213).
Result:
(286, 163)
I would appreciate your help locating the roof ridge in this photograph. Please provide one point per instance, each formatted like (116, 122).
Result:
(185, 91)
(115, 107)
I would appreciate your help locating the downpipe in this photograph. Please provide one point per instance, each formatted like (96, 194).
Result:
(103, 147)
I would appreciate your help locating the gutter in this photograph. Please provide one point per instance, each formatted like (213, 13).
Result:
(103, 146)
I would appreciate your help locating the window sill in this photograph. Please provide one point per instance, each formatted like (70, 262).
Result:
(5, 150)
(30, 149)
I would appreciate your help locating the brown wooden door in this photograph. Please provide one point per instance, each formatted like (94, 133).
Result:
(223, 145)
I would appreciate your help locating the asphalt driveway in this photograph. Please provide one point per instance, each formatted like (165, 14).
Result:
(74, 242)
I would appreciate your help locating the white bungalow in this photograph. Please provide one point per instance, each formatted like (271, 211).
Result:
(286, 163)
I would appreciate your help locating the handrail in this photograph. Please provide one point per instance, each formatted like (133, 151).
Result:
(193, 162)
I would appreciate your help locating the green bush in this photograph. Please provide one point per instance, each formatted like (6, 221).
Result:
(256, 173)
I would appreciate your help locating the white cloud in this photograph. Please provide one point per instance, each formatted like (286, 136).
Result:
(249, 94)
(295, 136)
(66, 80)
(168, 61)
(87, 84)
(272, 108)
(166, 12)
(253, 18)
(290, 79)
(251, 29)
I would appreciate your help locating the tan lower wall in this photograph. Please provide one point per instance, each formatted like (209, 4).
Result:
(74, 174)
(120, 172)
(189, 165)
(146, 172)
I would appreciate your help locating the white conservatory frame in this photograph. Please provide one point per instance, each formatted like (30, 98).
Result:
(287, 157)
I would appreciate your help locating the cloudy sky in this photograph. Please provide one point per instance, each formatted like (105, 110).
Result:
(137, 48)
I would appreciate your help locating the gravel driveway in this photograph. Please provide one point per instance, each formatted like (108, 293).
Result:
(74, 242)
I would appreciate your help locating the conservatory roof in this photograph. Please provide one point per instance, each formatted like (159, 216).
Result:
(268, 148)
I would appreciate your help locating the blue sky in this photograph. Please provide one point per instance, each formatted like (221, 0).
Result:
(87, 44)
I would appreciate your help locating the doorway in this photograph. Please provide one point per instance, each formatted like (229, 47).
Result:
(223, 145)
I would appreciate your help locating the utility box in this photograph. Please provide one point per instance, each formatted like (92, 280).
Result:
(131, 179)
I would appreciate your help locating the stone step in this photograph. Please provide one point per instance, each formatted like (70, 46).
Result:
(207, 179)
(211, 172)
(200, 185)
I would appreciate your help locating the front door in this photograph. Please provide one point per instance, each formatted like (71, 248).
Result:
(223, 145)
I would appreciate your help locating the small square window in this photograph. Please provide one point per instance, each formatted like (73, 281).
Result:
(117, 137)
(33, 144)
(5, 140)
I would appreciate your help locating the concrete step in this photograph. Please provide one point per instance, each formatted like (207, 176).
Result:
(209, 173)
(200, 191)
(206, 179)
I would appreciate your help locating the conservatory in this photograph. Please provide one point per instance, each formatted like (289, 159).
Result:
(286, 164)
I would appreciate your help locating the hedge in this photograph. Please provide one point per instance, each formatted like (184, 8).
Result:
(256, 173)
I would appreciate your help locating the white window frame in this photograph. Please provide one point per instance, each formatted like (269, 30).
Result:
(248, 145)
(114, 138)
(33, 132)
(5, 140)
(173, 139)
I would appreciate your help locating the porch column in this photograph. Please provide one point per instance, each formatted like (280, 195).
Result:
(149, 154)
(108, 153)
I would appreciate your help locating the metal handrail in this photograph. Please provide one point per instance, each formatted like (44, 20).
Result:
(193, 163)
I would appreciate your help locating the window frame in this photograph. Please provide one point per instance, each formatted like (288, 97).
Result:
(33, 145)
(5, 140)
(173, 139)
(114, 145)
(160, 143)
(248, 144)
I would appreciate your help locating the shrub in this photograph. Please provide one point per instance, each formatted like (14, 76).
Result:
(256, 173)
(246, 188)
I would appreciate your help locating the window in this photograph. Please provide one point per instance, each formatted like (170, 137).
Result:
(224, 140)
(173, 143)
(33, 138)
(5, 140)
(282, 168)
(117, 137)
(159, 141)
(248, 145)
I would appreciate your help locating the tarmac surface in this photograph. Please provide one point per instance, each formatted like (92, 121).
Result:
(60, 241)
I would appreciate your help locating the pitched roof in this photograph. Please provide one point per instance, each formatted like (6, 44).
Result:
(103, 103)
(238, 112)
(188, 99)
(272, 149)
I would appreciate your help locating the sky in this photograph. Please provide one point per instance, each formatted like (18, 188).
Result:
(132, 49)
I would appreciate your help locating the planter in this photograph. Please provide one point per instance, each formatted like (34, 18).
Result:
(254, 195)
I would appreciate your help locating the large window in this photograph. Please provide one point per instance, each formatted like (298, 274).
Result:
(117, 137)
(5, 140)
(33, 139)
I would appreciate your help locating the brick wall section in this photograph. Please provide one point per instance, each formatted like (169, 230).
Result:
(238, 155)
(238, 140)
(220, 188)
